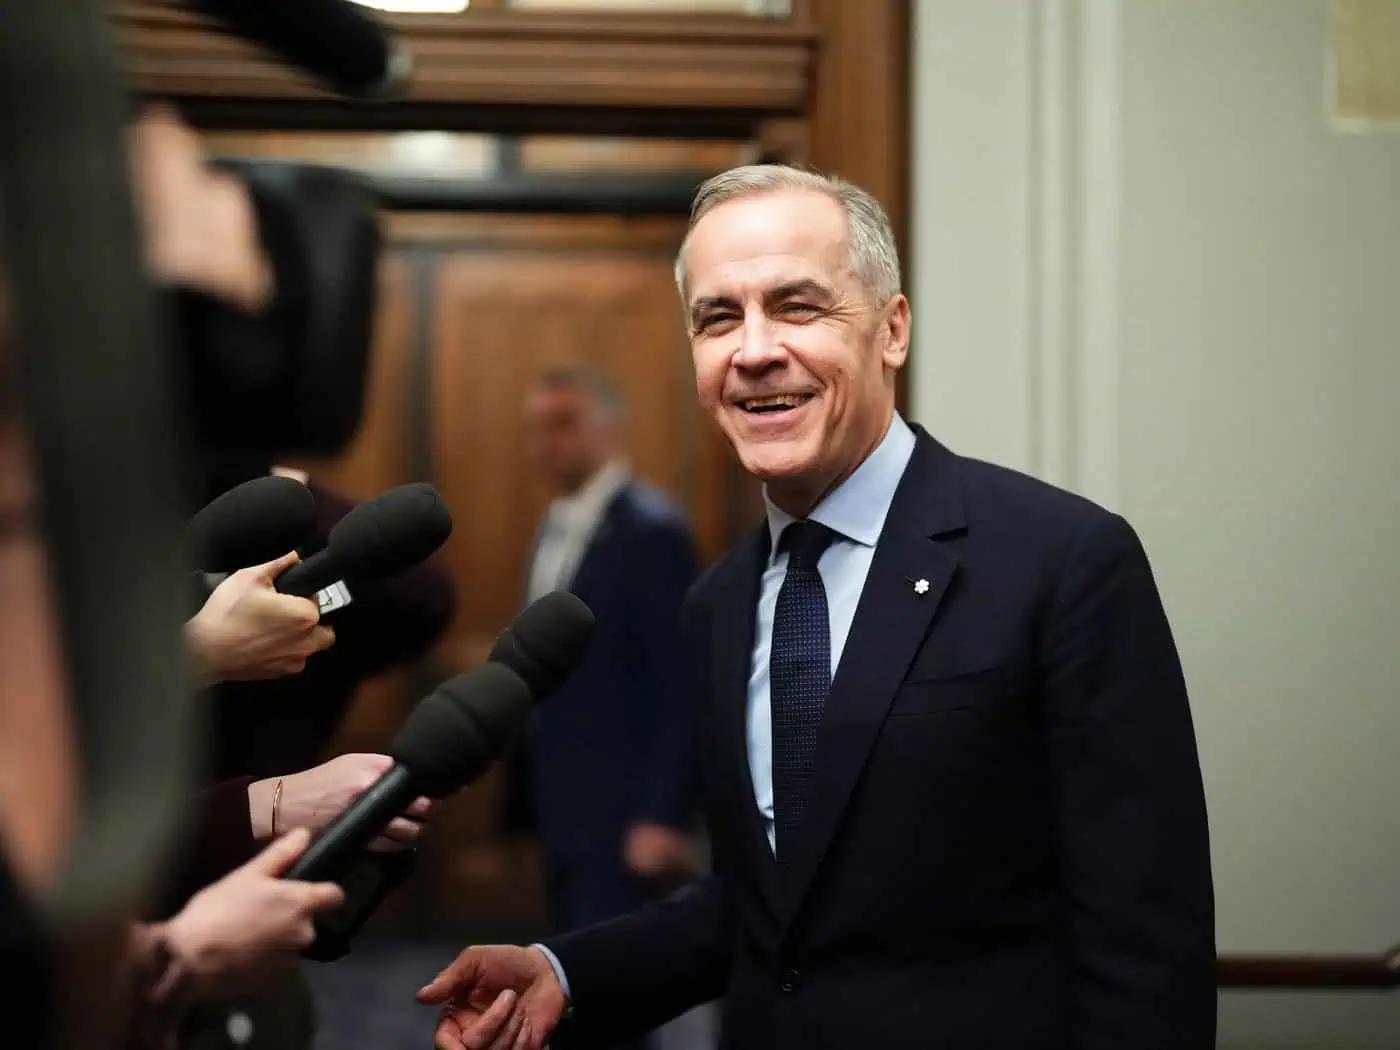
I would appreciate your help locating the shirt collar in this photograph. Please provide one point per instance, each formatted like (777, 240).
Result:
(595, 494)
(856, 509)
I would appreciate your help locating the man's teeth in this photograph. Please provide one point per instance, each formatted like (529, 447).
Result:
(761, 404)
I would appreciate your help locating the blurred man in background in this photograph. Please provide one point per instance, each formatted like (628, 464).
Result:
(609, 760)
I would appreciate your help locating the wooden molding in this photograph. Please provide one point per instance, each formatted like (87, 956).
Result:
(1310, 971)
(485, 63)
(858, 121)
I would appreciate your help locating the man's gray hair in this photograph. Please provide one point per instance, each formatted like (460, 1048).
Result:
(874, 257)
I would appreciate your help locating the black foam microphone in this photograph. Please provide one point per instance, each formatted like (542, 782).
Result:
(250, 524)
(342, 44)
(381, 536)
(448, 741)
(546, 642)
(543, 646)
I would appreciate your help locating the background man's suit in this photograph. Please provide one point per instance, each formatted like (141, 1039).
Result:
(1005, 842)
(612, 748)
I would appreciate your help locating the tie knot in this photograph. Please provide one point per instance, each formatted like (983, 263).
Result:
(805, 541)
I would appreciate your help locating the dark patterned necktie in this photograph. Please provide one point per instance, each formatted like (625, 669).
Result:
(799, 675)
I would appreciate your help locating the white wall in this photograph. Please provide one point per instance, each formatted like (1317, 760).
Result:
(1146, 268)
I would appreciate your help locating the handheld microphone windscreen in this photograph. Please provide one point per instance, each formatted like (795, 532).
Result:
(381, 536)
(458, 730)
(249, 524)
(344, 45)
(546, 642)
(392, 531)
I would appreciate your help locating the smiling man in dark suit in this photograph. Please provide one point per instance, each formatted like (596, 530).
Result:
(948, 764)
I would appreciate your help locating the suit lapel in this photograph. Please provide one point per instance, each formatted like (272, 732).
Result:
(597, 541)
(892, 618)
(735, 616)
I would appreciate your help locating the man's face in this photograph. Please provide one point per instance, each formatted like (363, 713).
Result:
(565, 436)
(792, 359)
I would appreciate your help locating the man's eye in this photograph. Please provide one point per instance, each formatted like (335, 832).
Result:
(797, 310)
(712, 321)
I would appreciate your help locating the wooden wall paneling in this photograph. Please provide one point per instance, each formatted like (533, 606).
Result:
(493, 68)
(859, 115)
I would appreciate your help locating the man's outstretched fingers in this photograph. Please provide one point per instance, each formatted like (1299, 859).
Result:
(482, 1033)
(509, 1036)
(448, 1034)
(460, 973)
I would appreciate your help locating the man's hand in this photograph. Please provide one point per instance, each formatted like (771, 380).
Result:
(658, 851)
(496, 998)
(312, 799)
(251, 923)
(248, 631)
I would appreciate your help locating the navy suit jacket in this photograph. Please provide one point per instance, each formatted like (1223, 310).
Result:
(1005, 841)
(612, 746)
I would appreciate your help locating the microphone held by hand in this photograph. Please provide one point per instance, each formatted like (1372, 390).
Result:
(387, 534)
(250, 524)
(448, 741)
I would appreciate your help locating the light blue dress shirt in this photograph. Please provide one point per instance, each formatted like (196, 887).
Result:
(855, 510)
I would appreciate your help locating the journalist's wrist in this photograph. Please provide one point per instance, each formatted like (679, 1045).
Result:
(201, 648)
(260, 794)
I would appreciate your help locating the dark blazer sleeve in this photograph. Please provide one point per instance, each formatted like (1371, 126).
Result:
(630, 974)
(1131, 833)
(665, 563)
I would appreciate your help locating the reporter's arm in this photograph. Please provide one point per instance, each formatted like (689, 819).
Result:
(248, 631)
(232, 936)
(314, 797)
(236, 933)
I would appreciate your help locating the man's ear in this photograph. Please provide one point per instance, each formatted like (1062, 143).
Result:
(895, 333)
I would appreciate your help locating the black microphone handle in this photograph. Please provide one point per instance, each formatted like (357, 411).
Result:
(307, 577)
(341, 841)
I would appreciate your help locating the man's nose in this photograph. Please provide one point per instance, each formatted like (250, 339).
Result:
(759, 348)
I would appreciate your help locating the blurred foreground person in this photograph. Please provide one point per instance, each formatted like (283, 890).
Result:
(233, 935)
(609, 757)
(948, 763)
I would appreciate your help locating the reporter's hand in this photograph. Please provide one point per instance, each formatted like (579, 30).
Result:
(496, 998)
(654, 851)
(199, 226)
(313, 798)
(251, 923)
(248, 631)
